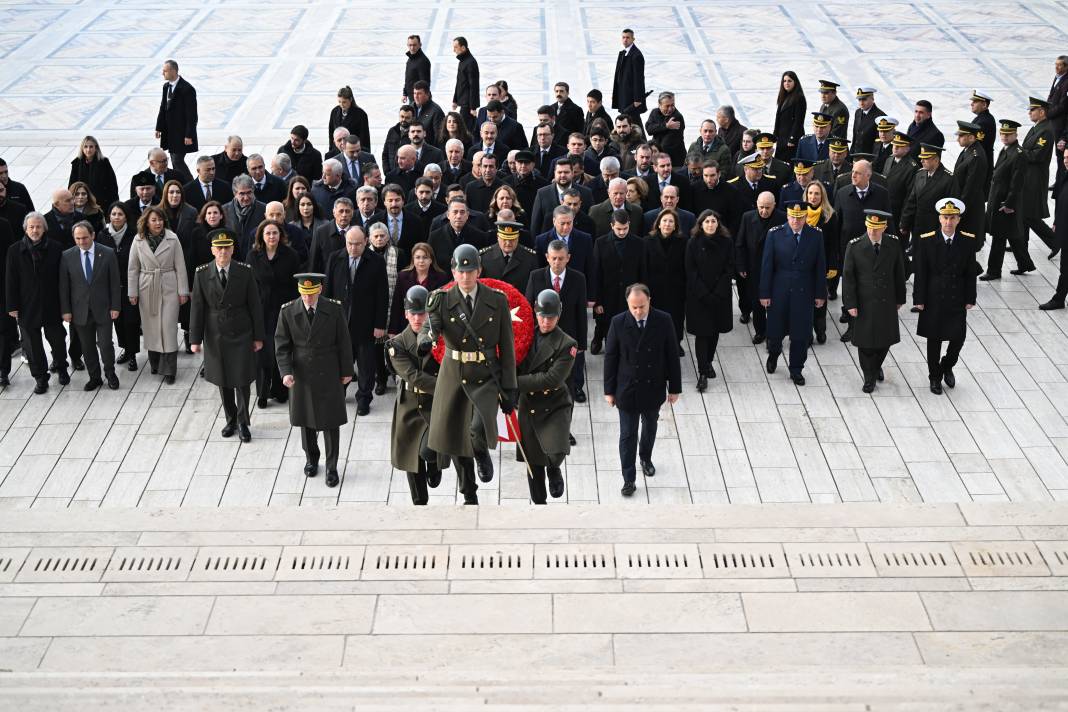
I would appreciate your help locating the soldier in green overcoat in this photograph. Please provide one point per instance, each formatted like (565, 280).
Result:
(1036, 150)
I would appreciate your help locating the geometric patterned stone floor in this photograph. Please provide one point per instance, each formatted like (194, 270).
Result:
(1001, 435)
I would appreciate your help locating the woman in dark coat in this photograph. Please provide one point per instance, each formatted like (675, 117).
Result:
(210, 217)
(297, 186)
(423, 271)
(821, 215)
(181, 220)
(454, 126)
(119, 234)
(790, 111)
(665, 253)
(91, 168)
(85, 203)
(308, 218)
(274, 264)
(709, 267)
(352, 117)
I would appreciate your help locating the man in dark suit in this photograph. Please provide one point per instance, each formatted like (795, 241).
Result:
(489, 143)
(465, 95)
(15, 191)
(62, 218)
(144, 196)
(507, 260)
(568, 114)
(230, 162)
(595, 110)
(416, 67)
(753, 230)
(752, 183)
(356, 277)
(669, 199)
(425, 154)
(479, 192)
(509, 131)
(243, 215)
(551, 196)
(307, 161)
(89, 299)
(424, 206)
(332, 186)
(455, 165)
(618, 259)
(664, 177)
(570, 284)
(405, 227)
(792, 281)
(601, 214)
(158, 172)
(13, 211)
(641, 362)
(545, 150)
(864, 120)
(456, 231)
(268, 187)
(579, 243)
(628, 82)
(1058, 105)
(714, 193)
(922, 129)
(526, 182)
(426, 111)
(176, 122)
(206, 186)
(330, 238)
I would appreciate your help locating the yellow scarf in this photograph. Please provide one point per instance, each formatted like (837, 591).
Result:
(814, 215)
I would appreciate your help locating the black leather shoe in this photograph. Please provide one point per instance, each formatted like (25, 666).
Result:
(595, 347)
(1051, 305)
(821, 337)
(471, 498)
(123, 358)
(113, 381)
(131, 365)
(556, 482)
(380, 389)
(847, 335)
(869, 386)
(52, 367)
(332, 480)
(991, 277)
(744, 318)
(773, 361)
(844, 319)
(915, 310)
(41, 387)
(310, 468)
(363, 408)
(580, 395)
(168, 380)
(201, 372)
(648, 468)
(261, 402)
(64, 377)
(77, 364)
(433, 478)
(711, 371)
(228, 430)
(628, 489)
(881, 376)
(4, 381)
(759, 338)
(702, 383)
(832, 294)
(571, 439)
(1056, 251)
(798, 379)
(936, 387)
(93, 383)
(188, 346)
(244, 433)
(682, 351)
(484, 463)
(948, 377)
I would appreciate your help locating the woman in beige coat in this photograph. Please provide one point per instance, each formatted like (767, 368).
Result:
(158, 286)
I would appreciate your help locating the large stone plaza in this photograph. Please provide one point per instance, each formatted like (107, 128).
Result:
(973, 480)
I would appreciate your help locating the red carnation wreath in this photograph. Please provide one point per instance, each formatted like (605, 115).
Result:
(522, 319)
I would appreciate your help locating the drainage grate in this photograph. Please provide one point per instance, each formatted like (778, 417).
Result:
(235, 563)
(10, 562)
(1056, 555)
(320, 563)
(829, 560)
(150, 564)
(405, 563)
(65, 565)
(492, 561)
(658, 561)
(568, 561)
(744, 561)
(915, 559)
(1000, 558)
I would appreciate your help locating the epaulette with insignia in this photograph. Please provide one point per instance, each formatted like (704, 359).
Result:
(857, 239)
(928, 234)
(528, 249)
(291, 301)
(733, 180)
(967, 234)
(768, 175)
(892, 237)
(204, 266)
(486, 249)
(243, 264)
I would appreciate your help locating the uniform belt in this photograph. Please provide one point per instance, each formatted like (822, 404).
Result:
(409, 387)
(466, 356)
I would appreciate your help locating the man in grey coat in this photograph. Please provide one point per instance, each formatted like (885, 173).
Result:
(89, 297)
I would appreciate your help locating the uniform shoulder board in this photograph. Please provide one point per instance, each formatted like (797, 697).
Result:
(524, 247)
(432, 299)
(204, 266)
(967, 234)
(335, 301)
(291, 301)
(892, 237)
(733, 180)
(856, 239)
(928, 234)
(484, 250)
(246, 265)
(769, 175)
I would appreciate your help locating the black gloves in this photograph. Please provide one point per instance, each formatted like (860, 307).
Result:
(508, 399)
(425, 347)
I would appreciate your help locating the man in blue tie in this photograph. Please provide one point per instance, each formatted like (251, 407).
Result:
(792, 280)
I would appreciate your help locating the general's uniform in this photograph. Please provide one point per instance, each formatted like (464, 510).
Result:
(1005, 192)
(227, 319)
(515, 269)
(839, 114)
(900, 175)
(987, 129)
(918, 214)
(971, 171)
(1037, 150)
(545, 406)
(864, 124)
(409, 450)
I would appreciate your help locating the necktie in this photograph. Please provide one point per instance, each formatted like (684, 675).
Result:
(797, 237)
(861, 194)
(470, 304)
(88, 267)
(393, 230)
(876, 246)
(352, 270)
(506, 258)
(207, 191)
(311, 315)
(641, 323)
(159, 185)
(222, 277)
(753, 186)
(663, 184)
(556, 283)
(259, 187)
(170, 94)
(352, 169)
(949, 242)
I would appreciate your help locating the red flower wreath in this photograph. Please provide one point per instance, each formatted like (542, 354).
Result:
(522, 319)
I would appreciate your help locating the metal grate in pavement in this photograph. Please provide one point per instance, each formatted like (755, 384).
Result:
(574, 561)
(64, 565)
(1056, 555)
(744, 561)
(915, 559)
(235, 563)
(10, 562)
(401, 563)
(658, 561)
(320, 563)
(1000, 558)
(829, 560)
(149, 563)
(491, 561)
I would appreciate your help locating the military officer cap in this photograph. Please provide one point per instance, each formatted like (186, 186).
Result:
(901, 139)
(967, 128)
(801, 166)
(980, 96)
(548, 303)
(821, 119)
(415, 299)
(950, 206)
(875, 218)
(1036, 103)
(838, 144)
(828, 85)
(863, 92)
(507, 230)
(465, 258)
(524, 157)
(928, 150)
(753, 160)
(309, 282)
(142, 180)
(1008, 126)
(861, 156)
(886, 123)
(797, 209)
(221, 237)
(764, 140)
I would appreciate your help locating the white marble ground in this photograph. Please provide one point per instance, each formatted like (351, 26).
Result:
(71, 68)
